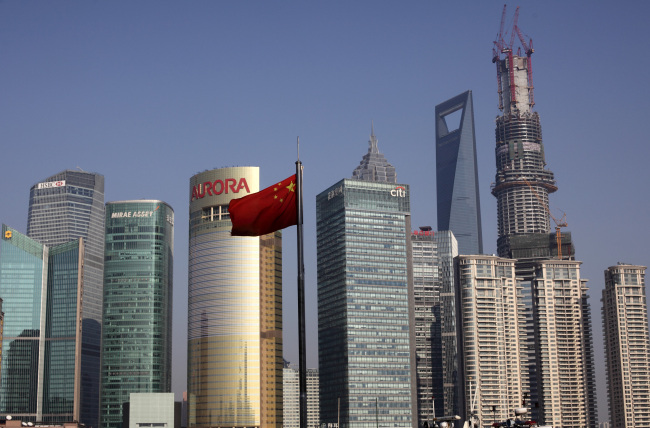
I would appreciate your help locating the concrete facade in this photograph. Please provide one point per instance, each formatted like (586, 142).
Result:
(627, 346)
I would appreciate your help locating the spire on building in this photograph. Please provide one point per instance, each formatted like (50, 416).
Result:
(374, 166)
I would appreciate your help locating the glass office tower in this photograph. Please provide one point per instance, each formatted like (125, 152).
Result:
(41, 289)
(447, 247)
(428, 338)
(234, 310)
(62, 208)
(138, 279)
(365, 299)
(459, 205)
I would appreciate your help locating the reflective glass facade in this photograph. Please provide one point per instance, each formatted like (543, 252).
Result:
(64, 207)
(41, 288)
(447, 250)
(136, 334)
(364, 302)
(235, 310)
(428, 339)
(459, 207)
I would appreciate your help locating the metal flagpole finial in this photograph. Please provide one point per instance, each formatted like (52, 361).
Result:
(298, 147)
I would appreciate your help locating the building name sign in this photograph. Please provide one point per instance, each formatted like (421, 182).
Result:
(51, 184)
(132, 214)
(423, 233)
(333, 193)
(399, 192)
(229, 185)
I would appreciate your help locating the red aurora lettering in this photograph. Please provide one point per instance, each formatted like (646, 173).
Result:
(215, 188)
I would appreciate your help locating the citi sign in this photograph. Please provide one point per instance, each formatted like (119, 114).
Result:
(218, 187)
(399, 192)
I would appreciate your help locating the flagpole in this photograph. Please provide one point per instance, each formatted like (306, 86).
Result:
(301, 297)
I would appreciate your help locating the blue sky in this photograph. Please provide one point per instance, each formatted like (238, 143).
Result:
(149, 93)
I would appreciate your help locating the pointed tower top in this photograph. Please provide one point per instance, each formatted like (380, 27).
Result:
(373, 140)
(374, 166)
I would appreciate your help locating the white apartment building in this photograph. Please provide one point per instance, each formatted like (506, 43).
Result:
(627, 346)
(563, 351)
(490, 313)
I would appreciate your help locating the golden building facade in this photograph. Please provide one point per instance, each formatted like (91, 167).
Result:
(234, 310)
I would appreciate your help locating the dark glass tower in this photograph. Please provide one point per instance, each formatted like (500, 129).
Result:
(136, 333)
(41, 288)
(428, 334)
(365, 290)
(459, 206)
(62, 208)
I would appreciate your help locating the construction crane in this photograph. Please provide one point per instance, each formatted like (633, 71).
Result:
(500, 47)
(528, 48)
(558, 224)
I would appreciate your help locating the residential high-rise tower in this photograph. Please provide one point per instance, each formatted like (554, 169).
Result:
(234, 310)
(489, 314)
(459, 205)
(365, 292)
(627, 346)
(62, 208)
(137, 325)
(563, 348)
(291, 398)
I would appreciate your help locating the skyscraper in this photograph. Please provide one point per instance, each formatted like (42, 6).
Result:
(490, 330)
(459, 206)
(449, 322)
(234, 309)
(522, 187)
(62, 208)
(427, 325)
(42, 291)
(291, 398)
(137, 324)
(563, 349)
(365, 292)
(522, 182)
(627, 346)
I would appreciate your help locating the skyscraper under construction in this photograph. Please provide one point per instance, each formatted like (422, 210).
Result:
(558, 372)
(522, 183)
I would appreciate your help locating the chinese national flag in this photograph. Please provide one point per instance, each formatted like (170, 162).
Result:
(266, 211)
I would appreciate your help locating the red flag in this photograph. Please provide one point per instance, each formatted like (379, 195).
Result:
(266, 211)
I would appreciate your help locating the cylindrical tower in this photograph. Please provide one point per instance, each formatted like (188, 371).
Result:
(234, 310)
(522, 183)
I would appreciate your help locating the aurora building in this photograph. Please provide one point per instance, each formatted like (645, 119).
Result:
(234, 308)
(138, 279)
(62, 208)
(42, 288)
(365, 291)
